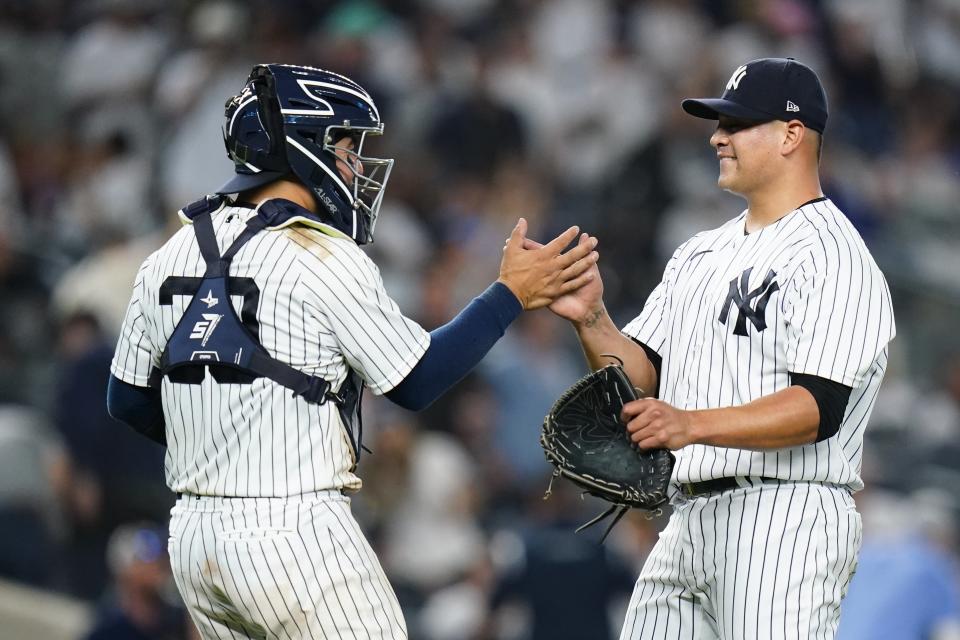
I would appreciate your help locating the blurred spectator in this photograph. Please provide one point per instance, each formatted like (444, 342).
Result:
(937, 38)
(461, 134)
(635, 198)
(189, 93)
(211, 29)
(391, 433)
(98, 284)
(433, 536)
(25, 345)
(567, 582)
(668, 34)
(142, 604)
(528, 370)
(10, 216)
(34, 477)
(118, 473)
(907, 584)
(32, 39)
(457, 611)
(107, 195)
(116, 54)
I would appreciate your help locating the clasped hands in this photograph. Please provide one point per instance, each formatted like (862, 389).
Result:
(538, 274)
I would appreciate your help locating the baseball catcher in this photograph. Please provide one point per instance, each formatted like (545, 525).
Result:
(587, 443)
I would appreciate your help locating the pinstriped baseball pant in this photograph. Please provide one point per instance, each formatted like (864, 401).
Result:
(770, 561)
(295, 567)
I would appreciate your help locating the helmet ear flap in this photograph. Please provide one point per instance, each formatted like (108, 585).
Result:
(265, 88)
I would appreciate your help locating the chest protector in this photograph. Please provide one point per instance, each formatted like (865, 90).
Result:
(211, 337)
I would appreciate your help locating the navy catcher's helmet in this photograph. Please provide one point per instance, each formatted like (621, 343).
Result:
(287, 120)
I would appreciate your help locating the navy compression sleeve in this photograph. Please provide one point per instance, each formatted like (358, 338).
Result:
(139, 407)
(457, 347)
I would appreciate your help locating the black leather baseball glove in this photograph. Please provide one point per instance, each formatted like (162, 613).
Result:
(587, 443)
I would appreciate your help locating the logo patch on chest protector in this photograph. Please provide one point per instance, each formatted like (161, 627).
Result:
(203, 329)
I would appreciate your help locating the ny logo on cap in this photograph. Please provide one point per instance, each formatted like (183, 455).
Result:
(734, 82)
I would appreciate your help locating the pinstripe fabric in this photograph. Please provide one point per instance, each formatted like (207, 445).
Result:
(734, 315)
(292, 568)
(831, 317)
(322, 308)
(273, 551)
(770, 561)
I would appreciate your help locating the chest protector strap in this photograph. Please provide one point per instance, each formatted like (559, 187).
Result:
(210, 335)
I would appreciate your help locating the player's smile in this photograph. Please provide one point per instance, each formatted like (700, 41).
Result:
(730, 132)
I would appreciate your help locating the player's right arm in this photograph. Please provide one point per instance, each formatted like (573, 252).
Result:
(599, 336)
(530, 278)
(397, 358)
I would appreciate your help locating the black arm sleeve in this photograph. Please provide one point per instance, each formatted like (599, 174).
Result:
(831, 400)
(139, 407)
(655, 360)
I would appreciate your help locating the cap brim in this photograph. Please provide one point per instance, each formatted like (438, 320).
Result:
(713, 108)
(247, 181)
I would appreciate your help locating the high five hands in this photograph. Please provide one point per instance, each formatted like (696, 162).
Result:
(584, 294)
(538, 274)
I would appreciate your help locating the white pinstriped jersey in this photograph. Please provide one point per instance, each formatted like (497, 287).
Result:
(736, 312)
(321, 308)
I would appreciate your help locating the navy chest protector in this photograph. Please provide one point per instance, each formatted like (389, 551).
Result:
(211, 337)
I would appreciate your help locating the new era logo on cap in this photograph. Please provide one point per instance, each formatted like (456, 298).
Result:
(776, 89)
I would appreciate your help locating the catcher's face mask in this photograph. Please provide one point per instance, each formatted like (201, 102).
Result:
(288, 120)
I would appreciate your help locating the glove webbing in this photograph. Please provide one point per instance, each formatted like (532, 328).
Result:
(614, 507)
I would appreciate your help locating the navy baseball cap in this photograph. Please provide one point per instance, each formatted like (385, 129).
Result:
(768, 89)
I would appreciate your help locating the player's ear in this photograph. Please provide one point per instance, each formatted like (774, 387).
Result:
(794, 135)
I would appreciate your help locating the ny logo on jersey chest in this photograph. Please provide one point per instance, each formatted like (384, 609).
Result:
(742, 297)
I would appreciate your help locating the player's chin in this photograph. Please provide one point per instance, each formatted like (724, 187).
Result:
(727, 180)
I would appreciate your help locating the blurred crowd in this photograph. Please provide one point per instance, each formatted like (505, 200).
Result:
(561, 111)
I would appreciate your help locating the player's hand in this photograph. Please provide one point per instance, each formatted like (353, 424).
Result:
(581, 304)
(540, 274)
(654, 424)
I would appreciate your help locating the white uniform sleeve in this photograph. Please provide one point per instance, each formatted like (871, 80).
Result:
(838, 315)
(377, 340)
(650, 327)
(135, 355)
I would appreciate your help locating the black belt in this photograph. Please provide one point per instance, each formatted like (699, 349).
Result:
(717, 485)
(194, 495)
